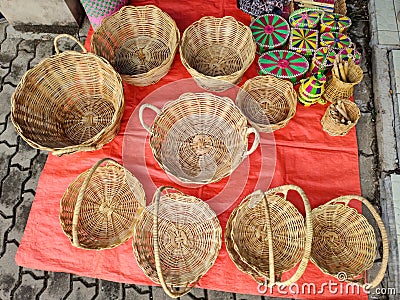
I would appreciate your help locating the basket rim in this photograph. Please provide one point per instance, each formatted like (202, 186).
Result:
(278, 44)
(334, 34)
(301, 10)
(334, 15)
(303, 50)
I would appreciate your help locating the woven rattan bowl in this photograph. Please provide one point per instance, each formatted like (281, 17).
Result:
(99, 208)
(200, 137)
(344, 243)
(217, 51)
(139, 41)
(268, 102)
(178, 238)
(266, 235)
(69, 102)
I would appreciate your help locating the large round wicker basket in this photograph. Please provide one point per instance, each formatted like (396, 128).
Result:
(344, 243)
(178, 238)
(139, 41)
(59, 107)
(217, 51)
(200, 137)
(268, 102)
(99, 209)
(266, 236)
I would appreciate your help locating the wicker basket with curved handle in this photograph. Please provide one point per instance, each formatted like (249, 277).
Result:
(98, 210)
(345, 242)
(178, 238)
(266, 238)
(69, 102)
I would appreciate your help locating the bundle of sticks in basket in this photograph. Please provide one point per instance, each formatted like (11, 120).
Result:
(341, 68)
(339, 113)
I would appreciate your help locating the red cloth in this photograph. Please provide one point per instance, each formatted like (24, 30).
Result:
(324, 166)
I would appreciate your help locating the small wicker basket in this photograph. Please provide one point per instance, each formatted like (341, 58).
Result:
(200, 137)
(333, 126)
(217, 52)
(178, 238)
(99, 209)
(340, 7)
(266, 236)
(139, 41)
(268, 102)
(344, 242)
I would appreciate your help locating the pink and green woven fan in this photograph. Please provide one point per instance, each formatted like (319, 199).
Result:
(270, 32)
(283, 64)
(335, 22)
(335, 40)
(305, 18)
(322, 60)
(304, 41)
(97, 10)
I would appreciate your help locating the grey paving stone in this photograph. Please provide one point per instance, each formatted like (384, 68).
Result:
(368, 179)
(43, 50)
(363, 95)
(27, 45)
(197, 294)
(3, 73)
(24, 155)
(385, 15)
(5, 153)
(217, 295)
(21, 217)
(29, 288)
(58, 285)
(9, 134)
(3, 28)
(158, 293)
(247, 297)
(5, 101)
(18, 67)
(366, 134)
(396, 68)
(110, 290)
(8, 51)
(8, 275)
(386, 37)
(4, 225)
(36, 169)
(80, 291)
(137, 292)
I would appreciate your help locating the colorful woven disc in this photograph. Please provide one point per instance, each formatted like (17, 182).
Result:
(335, 22)
(270, 31)
(335, 40)
(305, 18)
(304, 41)
(324, 56)
(283, 64)
(352, 54)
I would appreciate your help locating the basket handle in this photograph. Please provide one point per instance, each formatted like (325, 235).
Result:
(142, 108)
(69, 37)
(61, 152)
(385, 243)
(284, 189)
(168, 290)
(77, 209)
(256, 140)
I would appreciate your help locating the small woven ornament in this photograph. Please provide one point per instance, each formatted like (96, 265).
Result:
(311, 89)
(335, 40)
(337, 123)
(99, 209)
(334, 22)
(97, 10)
(351, 53)
(305, 18)
(340, 7)
(344, 242)
(322, 60)
(303, 41)
(177, 240)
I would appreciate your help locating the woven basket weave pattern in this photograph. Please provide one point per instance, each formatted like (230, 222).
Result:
(333, 127)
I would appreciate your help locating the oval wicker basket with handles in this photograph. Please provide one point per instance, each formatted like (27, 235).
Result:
(99, 208)
(178, 238)
(217, 51)
(139, 41)
(344, 243)
(266, 235)
(268, 102)
(200, 137)
(69, 102)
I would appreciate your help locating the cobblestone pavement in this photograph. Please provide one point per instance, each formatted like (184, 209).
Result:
(20, 167)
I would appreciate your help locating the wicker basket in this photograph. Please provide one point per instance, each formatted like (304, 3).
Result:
(139, 41)
(178, 238)
(340, 7)
(344, 242)
(333, 127)
(268, 102)
(335, 89)
(99, 209)
(57, 106)
(199, 138)
(217, 51)
(252, 238)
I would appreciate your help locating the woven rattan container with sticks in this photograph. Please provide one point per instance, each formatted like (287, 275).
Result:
(200, 137)
(266, 235)
(340, 117)
(344, 243)
(177, 240)
(217, 51)
(268, 102)
(69, 102)
(139, 41)
(99, 208)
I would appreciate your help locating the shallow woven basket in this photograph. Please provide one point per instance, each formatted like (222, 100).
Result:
(268, 102)
(266, 236)
(139, 41)
(335, 89)
(200, 137)
(217, 51)
(333, 127)
(69, 102)
(99, 209)
(344, 242)
(178, 238)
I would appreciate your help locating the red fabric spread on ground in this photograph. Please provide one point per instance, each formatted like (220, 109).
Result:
(324, 166)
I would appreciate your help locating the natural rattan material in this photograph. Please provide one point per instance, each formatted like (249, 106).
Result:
(333, 127)
(217, 51)
(99, 208)
(335, 89)
(69, 102)
(200, 137)
(344, 241)
(268, 102)
(266, 235)
(178, 238)
(340, 7)
(139, 41)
